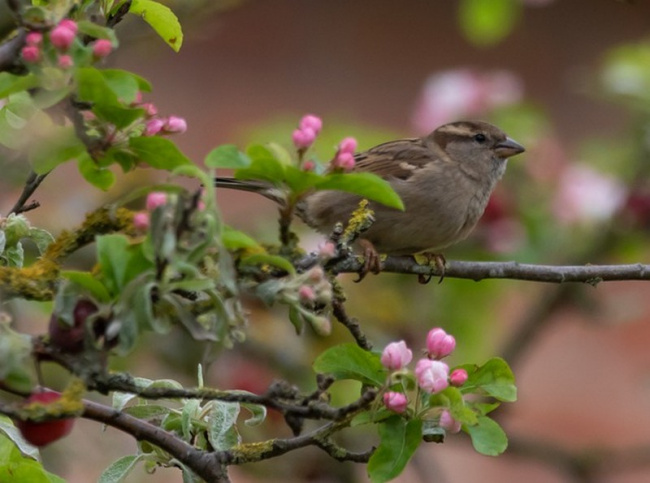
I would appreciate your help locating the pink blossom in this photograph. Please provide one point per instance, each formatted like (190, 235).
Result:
(175, 124)
(459, 93)
(439, 343)
(62, 37)
(344, 161)
(149, 109)
(348, 145)
(448, 423)
(306, 293)
(155, 199)
(65, 61)
(102, 48)
(309, 121)
(200, 205)
(69, 24)
(585, 195)
(153, 127)
(303, 137)
(432, 376)
(396, 355)
(458, 377)
(138, 98)
(309, 165)
(395, 401)
(316, 274)
(141, 221)
(34, 38)
(31, 54)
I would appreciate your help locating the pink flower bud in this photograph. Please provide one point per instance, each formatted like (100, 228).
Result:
(153, 127)
(439, 343)
(321, 325)
(175, 124)
(316, 274)
(312, 122)
(396, 355)
(150, 109)
(432, 376)
(200, 205)
(65, 61)
(326, 250)
(69, 24)
(62, 37)
(458, 377)
(448, 423)
(303, 138)
(31, 54)
(309, 165)
(344, 161)
(306, 293)
(34, 38)
(141, 221)
(348, 145)
(395, 401)
(102, 48)
(155, 199)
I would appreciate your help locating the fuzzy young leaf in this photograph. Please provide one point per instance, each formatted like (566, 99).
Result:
(349, 361)
(227, 156)
(223, 433)
(161, 19)
(487, 437)
(118, 470)
(399, 440)
(157, 152)
(366, 185)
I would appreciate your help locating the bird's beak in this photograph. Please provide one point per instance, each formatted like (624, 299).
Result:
(508, 148)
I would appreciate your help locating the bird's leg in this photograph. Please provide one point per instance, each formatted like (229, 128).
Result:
(371, 260)
(433, 259)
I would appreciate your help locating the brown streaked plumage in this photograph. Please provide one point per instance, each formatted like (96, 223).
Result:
(444, 179)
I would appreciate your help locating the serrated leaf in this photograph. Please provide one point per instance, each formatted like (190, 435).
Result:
(486, 22)
(161, 19)
(222, 432)
(227, 156)
(399, 440)
(487, 437)
(118, 470)
(84, 279)
(157, 152)
(349, 361)
(366, 185)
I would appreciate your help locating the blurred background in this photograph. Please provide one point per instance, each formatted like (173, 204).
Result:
(568, 79)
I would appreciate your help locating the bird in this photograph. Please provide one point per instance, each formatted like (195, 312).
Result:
(444, 179)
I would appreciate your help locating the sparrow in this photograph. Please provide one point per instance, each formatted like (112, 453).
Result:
(444, 179)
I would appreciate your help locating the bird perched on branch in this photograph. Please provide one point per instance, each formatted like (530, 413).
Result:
(444, 179)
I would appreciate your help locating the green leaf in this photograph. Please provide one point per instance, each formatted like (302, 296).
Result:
(223, 433)
(15, 467)
(11, 432)
(487, 437)
(399, 440)
(494, 377)
(61, 146)
(10, 84)
(84, 279)
(452, 398)
(349, 361)
(264, 165)
(486, 22)
(102, 178)
(237, 240)
(97, 31)
(227, 156)
(161, 19)
(366, 185)
(118, 470)
(157, 152)
(42, 238)
(93, 88)
(300, 181)
(119, 261)
(266, 259)
(124, 84)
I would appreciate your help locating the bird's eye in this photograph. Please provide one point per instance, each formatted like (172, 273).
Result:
(480, 138)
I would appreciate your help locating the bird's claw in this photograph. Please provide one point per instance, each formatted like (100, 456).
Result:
(438, 261)
(371, 260)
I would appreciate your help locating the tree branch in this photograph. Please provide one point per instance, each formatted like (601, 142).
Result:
(33, 182)
(591, 274)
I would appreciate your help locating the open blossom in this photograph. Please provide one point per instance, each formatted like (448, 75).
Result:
(432, 376)
(62, 37)
(439, 343)
(459, 93)
(31, 54)
(102, 48)
(448, 423)
(458, 377)
(396, 355)
(309, 121)
(585, 195)
(395, 401)
(155, 199)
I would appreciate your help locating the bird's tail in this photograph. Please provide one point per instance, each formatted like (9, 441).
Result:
(259, 187)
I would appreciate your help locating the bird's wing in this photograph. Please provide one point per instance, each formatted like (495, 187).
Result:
(398, 159)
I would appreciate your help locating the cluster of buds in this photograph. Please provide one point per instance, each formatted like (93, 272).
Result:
(162, 125)
(308, 129)
(61, 46)
(431, 373)
(344, 158)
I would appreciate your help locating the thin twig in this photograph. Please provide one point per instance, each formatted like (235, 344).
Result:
(31, 185)
(338, 309)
